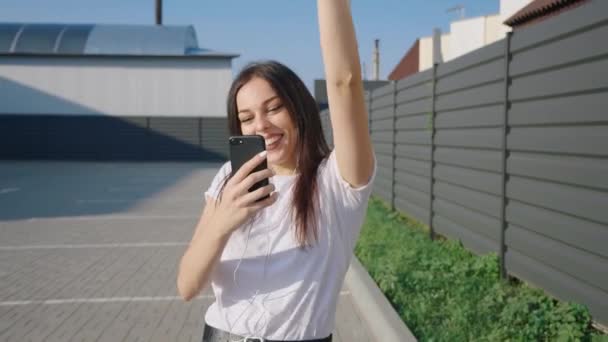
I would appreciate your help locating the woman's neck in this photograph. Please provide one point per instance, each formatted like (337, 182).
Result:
(283, 170)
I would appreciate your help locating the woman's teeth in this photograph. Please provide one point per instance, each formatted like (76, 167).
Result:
(272, 140)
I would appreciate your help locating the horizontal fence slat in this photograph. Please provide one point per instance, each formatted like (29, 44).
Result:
(487, 72)
(472, 220)
(384, 180)
(477, 243)
(589, 140)
(567, 50)
(567, 199)
(479, 159)
(413, 151)
(383, 125)
(557, 283)
(475, 57)
(589, 172)
(419, 213)
(589, 15)
(415, 79)
(414, 122)
(419, 198)
(402, 177)
(382, 187)
(384, 173)
(474, 138)
(384, 161)
(574, 231)
(421, 168)
(582, 265)
(471, 199)
(572, 79)
(489, 182)
(383, 101)
(414, 93)
(383, 113)
(385, 148)
(413, 137)
(561, 110)
(382, 91)
(423, 106)
(382, 136)
(487, 94)
(472, 117)
(383, 195)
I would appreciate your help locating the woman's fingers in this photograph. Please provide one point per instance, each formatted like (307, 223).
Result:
(250, 198)
(265, 202)
(253, 178)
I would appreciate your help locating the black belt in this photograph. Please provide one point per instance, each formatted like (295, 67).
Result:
(211, 334)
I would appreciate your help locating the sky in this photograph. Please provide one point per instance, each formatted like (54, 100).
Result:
(283, 30)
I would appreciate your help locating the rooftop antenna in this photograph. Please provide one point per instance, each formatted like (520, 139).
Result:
(364, 71)
(457, 8)
(376, 60)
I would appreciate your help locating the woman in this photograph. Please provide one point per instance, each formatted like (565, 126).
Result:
(276, 266)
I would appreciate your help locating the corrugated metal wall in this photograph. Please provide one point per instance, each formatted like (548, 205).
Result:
(519, 163)
(112, 138)
(114, 86)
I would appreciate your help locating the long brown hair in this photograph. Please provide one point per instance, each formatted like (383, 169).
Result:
(311, 147)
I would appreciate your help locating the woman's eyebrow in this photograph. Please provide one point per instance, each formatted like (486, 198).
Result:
(263, 102)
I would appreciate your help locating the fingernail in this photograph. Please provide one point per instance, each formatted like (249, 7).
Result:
(262, 154)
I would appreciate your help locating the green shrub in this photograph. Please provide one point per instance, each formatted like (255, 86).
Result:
(445, 293)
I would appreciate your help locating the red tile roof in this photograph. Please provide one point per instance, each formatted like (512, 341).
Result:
(539, 9)
(409, 64)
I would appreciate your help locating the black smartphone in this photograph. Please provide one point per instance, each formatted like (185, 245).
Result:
(242, 149)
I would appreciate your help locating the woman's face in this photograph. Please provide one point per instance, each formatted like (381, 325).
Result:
(261, 111)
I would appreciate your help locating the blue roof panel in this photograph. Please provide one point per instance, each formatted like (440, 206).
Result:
(37, 38)
(122, 40)
(7, 35)
(74, 39)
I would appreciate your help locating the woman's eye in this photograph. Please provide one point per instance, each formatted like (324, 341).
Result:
(245, 119)
(275, 108)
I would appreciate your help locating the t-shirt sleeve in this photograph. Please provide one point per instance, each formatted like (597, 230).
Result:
(216, 184)
(351, 197)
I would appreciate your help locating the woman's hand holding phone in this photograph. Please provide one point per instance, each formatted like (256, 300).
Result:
(237, 204)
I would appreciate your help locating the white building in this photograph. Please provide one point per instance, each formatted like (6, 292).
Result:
(465, 36)
(125, 83)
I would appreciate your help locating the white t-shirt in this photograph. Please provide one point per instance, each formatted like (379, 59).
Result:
(283, 292)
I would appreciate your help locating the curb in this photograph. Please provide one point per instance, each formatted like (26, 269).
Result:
(383, 321)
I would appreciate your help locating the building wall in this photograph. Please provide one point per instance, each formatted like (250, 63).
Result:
(470, 34)
(114, 86)
(467, 35)
(426, 50)
(509, 7)
(494, 30)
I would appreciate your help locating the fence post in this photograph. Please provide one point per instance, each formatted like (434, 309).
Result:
(200, 133)
(432, 162)
(394, 147)
(369, 110)
(505, 131)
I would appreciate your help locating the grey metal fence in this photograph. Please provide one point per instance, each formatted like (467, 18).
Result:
(70, 137)
(506, 149)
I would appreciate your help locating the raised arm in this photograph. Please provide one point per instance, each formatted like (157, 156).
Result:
(352, 142)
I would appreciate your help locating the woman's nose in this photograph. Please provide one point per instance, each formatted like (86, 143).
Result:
(261, 123)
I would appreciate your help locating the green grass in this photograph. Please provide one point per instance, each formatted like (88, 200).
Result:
(445, 293)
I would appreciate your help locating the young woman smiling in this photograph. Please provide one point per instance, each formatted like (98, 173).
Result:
(276, 266)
